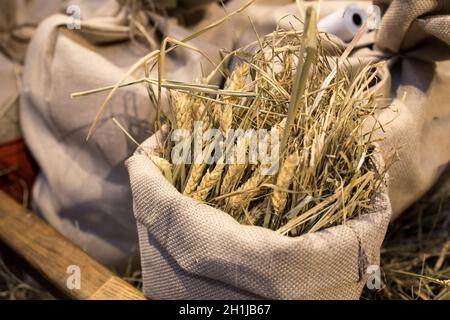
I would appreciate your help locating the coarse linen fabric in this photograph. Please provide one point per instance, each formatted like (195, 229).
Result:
(83, 188)
(414, 36)
(9, 100)
(18, 20)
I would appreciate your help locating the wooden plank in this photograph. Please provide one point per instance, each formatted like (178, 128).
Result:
(51, 254)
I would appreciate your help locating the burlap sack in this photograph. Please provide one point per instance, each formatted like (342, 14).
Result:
(9, 100)
(83, 188)
(190, 250)
(18, 20)
(414, 37)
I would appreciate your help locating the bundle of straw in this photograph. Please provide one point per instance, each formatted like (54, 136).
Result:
(299, 87)
(287, 81)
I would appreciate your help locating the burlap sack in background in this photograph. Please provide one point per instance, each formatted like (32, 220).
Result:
(83, 189)
(414, 36)
(190, 250)
(9, 100)
(18, 20)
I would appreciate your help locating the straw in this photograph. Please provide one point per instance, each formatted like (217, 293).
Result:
(323, 109)
(299, 79)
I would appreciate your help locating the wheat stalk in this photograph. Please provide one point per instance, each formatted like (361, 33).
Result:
(199, 114)
(209, 181)
(161, 163)
(226, 119)
(284, 180)
(246, 192)
(183, 111)
(236, 82)
(255, 213)
(194, 178)
(196, 171)
(230, 178)
(234, 170)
